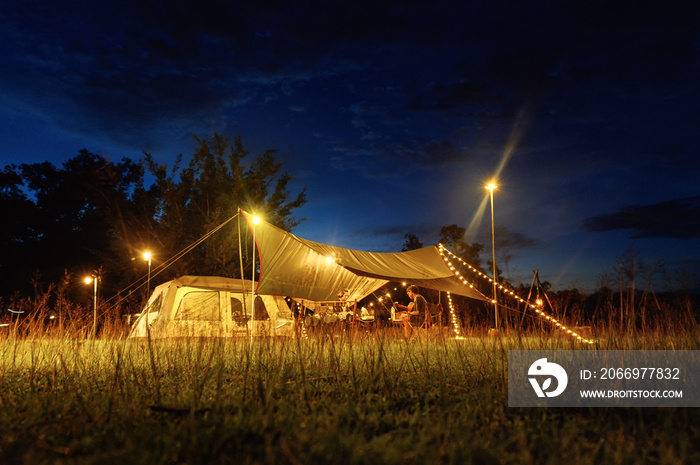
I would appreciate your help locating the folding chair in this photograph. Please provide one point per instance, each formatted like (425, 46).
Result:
(436, 316)
(433, 317)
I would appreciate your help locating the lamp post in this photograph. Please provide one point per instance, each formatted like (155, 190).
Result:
(491, 187)
(256, 220)
(147, 256)
(88, 280)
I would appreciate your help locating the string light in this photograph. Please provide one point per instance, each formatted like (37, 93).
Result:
(453, 317)
(510, 292)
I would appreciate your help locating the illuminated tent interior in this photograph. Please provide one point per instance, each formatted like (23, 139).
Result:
(303, 269)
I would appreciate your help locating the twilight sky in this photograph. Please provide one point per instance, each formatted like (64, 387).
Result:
(394, 114)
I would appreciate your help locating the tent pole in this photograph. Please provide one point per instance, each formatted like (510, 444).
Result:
(256, 220)
(252, 291)
(354, 317)
(527, 302)
(240, 258)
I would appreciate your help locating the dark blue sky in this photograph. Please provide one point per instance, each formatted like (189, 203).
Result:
(395, 114)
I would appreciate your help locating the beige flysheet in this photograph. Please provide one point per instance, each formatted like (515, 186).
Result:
(295, 267)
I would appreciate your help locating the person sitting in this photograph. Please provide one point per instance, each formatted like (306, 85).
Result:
(415, 312)
(342, 307)
(342, 304)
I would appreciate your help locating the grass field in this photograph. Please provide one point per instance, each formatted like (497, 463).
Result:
(369, 399)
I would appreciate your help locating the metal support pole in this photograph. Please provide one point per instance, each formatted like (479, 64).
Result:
(493, 248)
(94, 308)
(252, 293)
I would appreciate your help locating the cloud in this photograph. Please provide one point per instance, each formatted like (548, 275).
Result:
(462, 70)
(513, 240)
(673, 219)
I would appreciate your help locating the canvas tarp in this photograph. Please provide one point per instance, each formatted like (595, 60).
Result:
(295, 267)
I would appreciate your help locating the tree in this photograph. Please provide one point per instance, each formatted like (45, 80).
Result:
(411, 242)
(16, 208)
(18, 233)
(208, 192)
(453, 237)
(59, 217)
(93, 213)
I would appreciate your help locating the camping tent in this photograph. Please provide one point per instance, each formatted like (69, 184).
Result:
(210, 306)
(303, 269)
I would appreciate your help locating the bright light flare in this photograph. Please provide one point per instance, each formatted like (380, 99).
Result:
(88, 280)
(256, 219)
(491, 186)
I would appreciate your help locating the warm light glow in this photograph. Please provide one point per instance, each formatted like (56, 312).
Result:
(491, 186)
(329, 260)
(453, 316)
(535, 306)
(88, 280)
(256, 219)
(147, 256)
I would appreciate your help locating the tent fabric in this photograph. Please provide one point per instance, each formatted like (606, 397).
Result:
(211, 306)
(299, 268)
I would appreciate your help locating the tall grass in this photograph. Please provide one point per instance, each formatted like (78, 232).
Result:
(367, 398)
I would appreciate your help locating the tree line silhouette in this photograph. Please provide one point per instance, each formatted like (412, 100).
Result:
(95, 216)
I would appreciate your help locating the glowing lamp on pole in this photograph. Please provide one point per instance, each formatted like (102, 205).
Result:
(147, 257)
(491, 187)
(256, 220)
(88, 280)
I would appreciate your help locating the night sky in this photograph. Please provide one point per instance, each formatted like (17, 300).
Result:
(395, 115)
